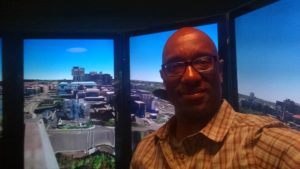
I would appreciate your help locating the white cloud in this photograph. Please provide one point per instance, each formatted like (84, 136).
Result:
(76, 50)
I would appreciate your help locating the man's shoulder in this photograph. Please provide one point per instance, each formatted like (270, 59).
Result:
(160, 132)
(150, 138)
(270, 139)
(146, 147)
(256, 121)
(264, 125)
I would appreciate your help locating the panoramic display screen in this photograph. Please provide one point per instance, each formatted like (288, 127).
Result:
(267, 45)
(68, 108)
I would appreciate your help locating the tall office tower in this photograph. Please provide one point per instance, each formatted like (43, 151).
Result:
(155, 104)
(78, 73)
(139, 109)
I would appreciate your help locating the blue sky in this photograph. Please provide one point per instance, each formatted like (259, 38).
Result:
(146, 53)
(53, 59)
(268, 45)
(268, 56)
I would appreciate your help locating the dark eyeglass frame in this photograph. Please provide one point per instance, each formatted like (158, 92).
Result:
(189, 62)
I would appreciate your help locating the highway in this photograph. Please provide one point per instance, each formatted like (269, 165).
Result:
(32, 103)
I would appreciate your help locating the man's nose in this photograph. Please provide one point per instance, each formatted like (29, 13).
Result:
(191, 75)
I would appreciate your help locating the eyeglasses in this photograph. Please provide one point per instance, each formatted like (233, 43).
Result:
(200, 64)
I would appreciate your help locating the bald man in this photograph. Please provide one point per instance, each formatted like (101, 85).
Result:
(205, 131)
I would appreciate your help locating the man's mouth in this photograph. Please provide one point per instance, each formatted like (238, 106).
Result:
(191, 92)
(193, 96)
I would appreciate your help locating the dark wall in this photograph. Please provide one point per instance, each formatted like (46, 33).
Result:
(94, 16)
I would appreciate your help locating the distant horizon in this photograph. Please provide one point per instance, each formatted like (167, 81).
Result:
(269, 100)
(238, 93)
(53, 79)
(62, 79)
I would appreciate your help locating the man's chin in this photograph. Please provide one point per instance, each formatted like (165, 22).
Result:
(194, 111)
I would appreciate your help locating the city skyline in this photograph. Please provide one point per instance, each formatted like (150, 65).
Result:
(90, 72)
(64, 54)
(246, 94)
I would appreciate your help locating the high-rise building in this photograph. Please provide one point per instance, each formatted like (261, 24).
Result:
(139, 109)
(94, 76)
(78, 73)
(99, 78)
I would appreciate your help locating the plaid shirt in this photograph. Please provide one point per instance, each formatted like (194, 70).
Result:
(230, 140)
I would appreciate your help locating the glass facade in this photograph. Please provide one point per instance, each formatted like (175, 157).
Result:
(267, 45)
(69, 96)
(148, 111)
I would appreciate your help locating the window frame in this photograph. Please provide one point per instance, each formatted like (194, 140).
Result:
(13, 85)
(231, 16)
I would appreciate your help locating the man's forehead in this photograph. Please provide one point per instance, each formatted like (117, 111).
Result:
(185, 37)
(188, 42)
(188, 33)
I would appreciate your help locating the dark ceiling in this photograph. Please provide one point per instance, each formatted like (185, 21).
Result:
(62, 16)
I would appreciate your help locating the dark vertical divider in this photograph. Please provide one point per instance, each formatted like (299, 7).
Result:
(122, 89)
(227, 52)
(13, 120)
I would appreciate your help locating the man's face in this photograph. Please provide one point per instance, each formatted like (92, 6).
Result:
(194, 94)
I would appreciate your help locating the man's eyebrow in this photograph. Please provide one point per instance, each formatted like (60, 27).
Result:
(178, 58)
(174, 59)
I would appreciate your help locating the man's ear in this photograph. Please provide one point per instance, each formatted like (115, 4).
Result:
(162, 75)
(221, 63)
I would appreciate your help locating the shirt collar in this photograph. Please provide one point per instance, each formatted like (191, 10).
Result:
(216, 129)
